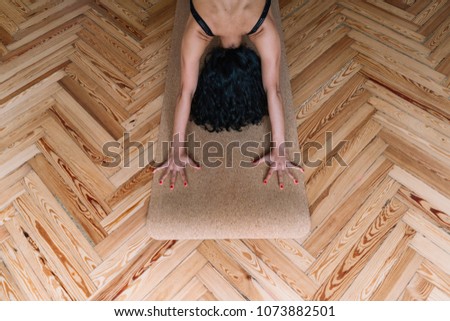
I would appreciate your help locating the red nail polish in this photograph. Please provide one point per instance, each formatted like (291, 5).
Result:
(185, 183)
(171, 186)
(296, 181)
(265, 181)
(160, 182)
(281, 186)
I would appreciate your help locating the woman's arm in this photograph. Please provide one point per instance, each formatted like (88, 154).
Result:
(267, 41)
(193, 45)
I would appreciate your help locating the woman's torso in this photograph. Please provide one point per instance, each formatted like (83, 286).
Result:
(230, 18)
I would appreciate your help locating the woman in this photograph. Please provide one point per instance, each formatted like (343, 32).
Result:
(229, 20)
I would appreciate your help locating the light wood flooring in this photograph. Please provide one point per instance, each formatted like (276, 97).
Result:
(76, 74)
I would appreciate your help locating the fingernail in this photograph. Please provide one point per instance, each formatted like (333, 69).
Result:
(281, 186)
(302, 170)
(171, 186)
(296, 181)
(160, 182)
(265, 181)
(185, 183)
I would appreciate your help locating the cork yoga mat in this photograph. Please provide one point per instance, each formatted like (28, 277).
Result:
(226, 199)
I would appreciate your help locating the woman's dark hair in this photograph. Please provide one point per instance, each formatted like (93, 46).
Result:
(230, 92)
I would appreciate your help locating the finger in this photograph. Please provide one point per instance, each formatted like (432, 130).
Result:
(173, 179)
(160, 167)
(163, 177)
(288, 171)
(269, 175)
(280, 178)
(183, 176)
(295, 166)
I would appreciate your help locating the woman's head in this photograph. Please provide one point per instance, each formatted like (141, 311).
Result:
(230, 93)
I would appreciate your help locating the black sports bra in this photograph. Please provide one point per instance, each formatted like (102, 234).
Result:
(208, 31)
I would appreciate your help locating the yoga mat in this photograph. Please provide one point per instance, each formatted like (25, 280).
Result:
(228, 201)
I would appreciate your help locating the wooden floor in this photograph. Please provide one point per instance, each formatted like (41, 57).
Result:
(76, 74)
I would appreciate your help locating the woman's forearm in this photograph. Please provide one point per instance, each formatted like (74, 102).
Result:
(276, 114)
(181, 117)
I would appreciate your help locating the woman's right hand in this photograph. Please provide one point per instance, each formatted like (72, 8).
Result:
(176, 163)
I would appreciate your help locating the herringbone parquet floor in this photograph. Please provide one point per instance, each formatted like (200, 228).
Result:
(76, 74)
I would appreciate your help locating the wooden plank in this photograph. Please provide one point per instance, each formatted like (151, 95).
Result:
(418, 289)
(403, 87)
(346, 183)
(18, 160)
(61, 222)
(192, 291)
(6, 214)
(233, 272)
(437, 121)
(110, 27)
(74, 275)
(259, 270)
(398, 277)
(340, 246)
(311, 11)
(29, 34)
(58, 146)
(323, 100)
(394, 9)
(96, 50)
(313, 41)
(9, 290)
(435, 275)
(321, 70)
(438, 295)
(126, 209)
(438, 256)
(117, 260)
(410, 124)
(4, 234)
(351, 265)
(183, 273)
(395, 128)
(106, 78)
(294, 252)
(324, 176)
(422, 17)
(435, 198)
(11, 194)
(423, 225)
(121, 234)
(337, 131)
(40, 261)
(365, 25)
(21, 272)
(146, 271)
(283, 267)
(379, 264)
(335, 221)
(415, 202)
(217, 285)
(400, 63)
(402, 26)
(35, 74)
(95, 100)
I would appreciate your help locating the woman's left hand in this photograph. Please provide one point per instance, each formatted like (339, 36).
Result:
(278, 163)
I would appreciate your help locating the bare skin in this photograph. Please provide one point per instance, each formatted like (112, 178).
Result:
(229, 20)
